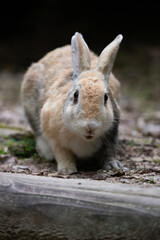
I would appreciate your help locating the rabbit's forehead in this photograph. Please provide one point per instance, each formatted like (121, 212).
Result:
(92, 94)
(91, 85)
(89, 80)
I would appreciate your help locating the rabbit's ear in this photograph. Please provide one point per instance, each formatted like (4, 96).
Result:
(107, 57)
(80, 54)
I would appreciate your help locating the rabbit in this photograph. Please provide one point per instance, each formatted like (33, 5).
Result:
(70, 98)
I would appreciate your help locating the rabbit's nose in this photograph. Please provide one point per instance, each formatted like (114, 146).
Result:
(91, 127)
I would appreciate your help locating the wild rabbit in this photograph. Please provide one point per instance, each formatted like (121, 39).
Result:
(70, 99)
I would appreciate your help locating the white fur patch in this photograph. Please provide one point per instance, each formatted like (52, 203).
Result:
(43, 148)
(82, 148)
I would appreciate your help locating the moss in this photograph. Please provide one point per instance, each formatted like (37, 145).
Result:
(156, 160)
(10, 142)
(152, 180)
(2, 151)
(21, 145)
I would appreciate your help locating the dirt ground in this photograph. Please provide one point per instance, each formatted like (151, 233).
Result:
(139, 131)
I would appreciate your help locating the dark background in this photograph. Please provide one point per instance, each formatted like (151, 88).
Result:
(29, 29)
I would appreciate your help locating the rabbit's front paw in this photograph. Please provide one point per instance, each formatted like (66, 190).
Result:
(65, 161)
(112, 165)
(67, 170)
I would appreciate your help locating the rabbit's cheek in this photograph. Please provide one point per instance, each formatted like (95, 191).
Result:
(109, 117)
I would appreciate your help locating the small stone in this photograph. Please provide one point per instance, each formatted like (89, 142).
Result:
(123, 180)
(20, 167)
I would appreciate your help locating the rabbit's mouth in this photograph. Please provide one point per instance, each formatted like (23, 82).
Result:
(89, 137)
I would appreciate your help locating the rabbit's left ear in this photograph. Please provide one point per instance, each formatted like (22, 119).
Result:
(107, 57)
(80, 54)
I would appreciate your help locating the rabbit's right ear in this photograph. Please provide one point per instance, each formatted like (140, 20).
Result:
(80, 55)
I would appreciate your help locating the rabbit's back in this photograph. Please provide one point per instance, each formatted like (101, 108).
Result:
(57, 72)
(56, 62)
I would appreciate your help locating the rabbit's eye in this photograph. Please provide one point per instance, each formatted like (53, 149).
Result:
(76, 94)
(105, 98)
